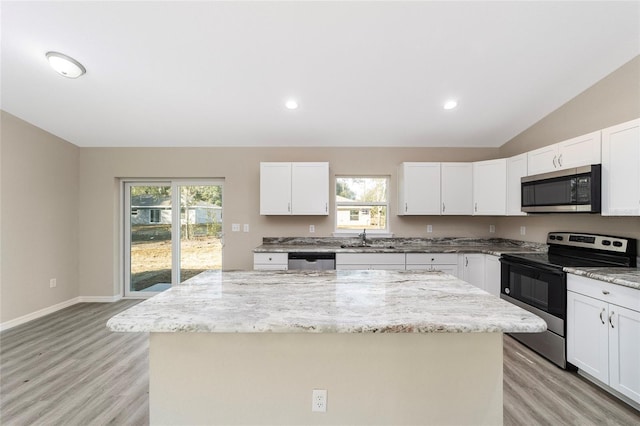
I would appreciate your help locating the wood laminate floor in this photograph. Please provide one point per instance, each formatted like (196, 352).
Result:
(68, 369)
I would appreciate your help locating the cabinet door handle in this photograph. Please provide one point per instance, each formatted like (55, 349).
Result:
(602, 319)
(405, 207)
(466, 263)
(560, 160)
(442, 207)
(289, 207)
(610, 317)
(554, 161)
(326, 207)
(476, 207)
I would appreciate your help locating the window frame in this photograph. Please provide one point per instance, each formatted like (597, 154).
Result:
(361, 204)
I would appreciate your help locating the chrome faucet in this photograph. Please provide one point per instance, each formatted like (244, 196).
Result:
(363, 237)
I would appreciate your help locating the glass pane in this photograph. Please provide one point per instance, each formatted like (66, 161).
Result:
(200, 229)
(150, 238)
(362, 217)
(358, 189)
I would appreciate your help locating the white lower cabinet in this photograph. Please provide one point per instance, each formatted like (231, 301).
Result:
(445, 262)
(492, 274)
(389, 261)
(271, 261)
(472, 266)
(603, 333)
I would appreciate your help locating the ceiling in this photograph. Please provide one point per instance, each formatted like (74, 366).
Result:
(363, 73)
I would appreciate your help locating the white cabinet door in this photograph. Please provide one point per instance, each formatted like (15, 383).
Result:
(621, 170)
(492, 274)
(542, 160)
(588, 335)
(392, 261)
(490, 187)
(419, 189)
(275, 188)
(516, 169)
(310, 188)
(581, 151)
(457, 188)
(473, 269)
(624, 351)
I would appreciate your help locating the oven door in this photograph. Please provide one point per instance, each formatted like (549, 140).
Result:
(541, 287)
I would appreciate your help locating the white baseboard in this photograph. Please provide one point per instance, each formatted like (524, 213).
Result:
(51, 309)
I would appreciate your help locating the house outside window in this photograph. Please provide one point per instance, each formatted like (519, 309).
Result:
(362, 203)
(154, 216)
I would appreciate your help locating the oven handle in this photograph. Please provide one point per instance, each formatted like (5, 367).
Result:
(550, 269)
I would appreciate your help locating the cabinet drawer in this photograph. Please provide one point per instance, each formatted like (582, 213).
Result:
(370, 259)
(432, 258)
(269, 267)
(270, 258)
(626, 297)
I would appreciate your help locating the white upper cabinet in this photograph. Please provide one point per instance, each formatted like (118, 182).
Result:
(419, 189)
(310, 188)
(621, 169)
(516, 169)
(457, 188)
(294, 188)
(581, 151)
(275, 188)
(490, 187)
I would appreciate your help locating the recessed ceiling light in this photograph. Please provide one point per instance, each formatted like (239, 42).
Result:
(65, 65)
(291, 104)
(450, 104)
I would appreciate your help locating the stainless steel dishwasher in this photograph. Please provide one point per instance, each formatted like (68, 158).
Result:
(312, 261)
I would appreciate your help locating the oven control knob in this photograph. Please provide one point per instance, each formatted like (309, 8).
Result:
(606, 242)
(507, 291)
(552, 237)
(559, 238)
(617, 244)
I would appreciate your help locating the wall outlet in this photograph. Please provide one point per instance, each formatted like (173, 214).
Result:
(523, 230)
(245, 227)
(429, 228)
(312, 229)
(52, 283)
(319, 400)
(492, 229)
(235, 227)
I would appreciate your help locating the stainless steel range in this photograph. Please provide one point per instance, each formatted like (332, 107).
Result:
(536, 282)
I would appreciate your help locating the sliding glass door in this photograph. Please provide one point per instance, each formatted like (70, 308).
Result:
(172, 232)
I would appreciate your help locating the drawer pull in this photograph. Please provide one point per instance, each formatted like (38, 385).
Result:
(605, 291)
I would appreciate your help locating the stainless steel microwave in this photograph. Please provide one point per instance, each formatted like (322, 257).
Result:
(576, 190)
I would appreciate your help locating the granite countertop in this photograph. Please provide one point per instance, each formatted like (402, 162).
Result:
(628, 277)
(494, 246)
(325, 302)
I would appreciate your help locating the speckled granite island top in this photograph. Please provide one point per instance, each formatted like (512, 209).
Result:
(325, 302)
(495, 246)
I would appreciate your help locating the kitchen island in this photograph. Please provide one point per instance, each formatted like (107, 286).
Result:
(391, 347)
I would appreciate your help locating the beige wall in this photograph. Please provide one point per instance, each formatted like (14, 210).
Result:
(614, 99)
(39, 222)
(100, 206)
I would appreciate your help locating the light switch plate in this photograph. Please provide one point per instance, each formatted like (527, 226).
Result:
(235, 227)
(245, 227)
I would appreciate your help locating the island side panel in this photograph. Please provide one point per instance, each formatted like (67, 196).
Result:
(400, 378)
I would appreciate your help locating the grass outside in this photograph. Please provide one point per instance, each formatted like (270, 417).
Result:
(151, 256)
